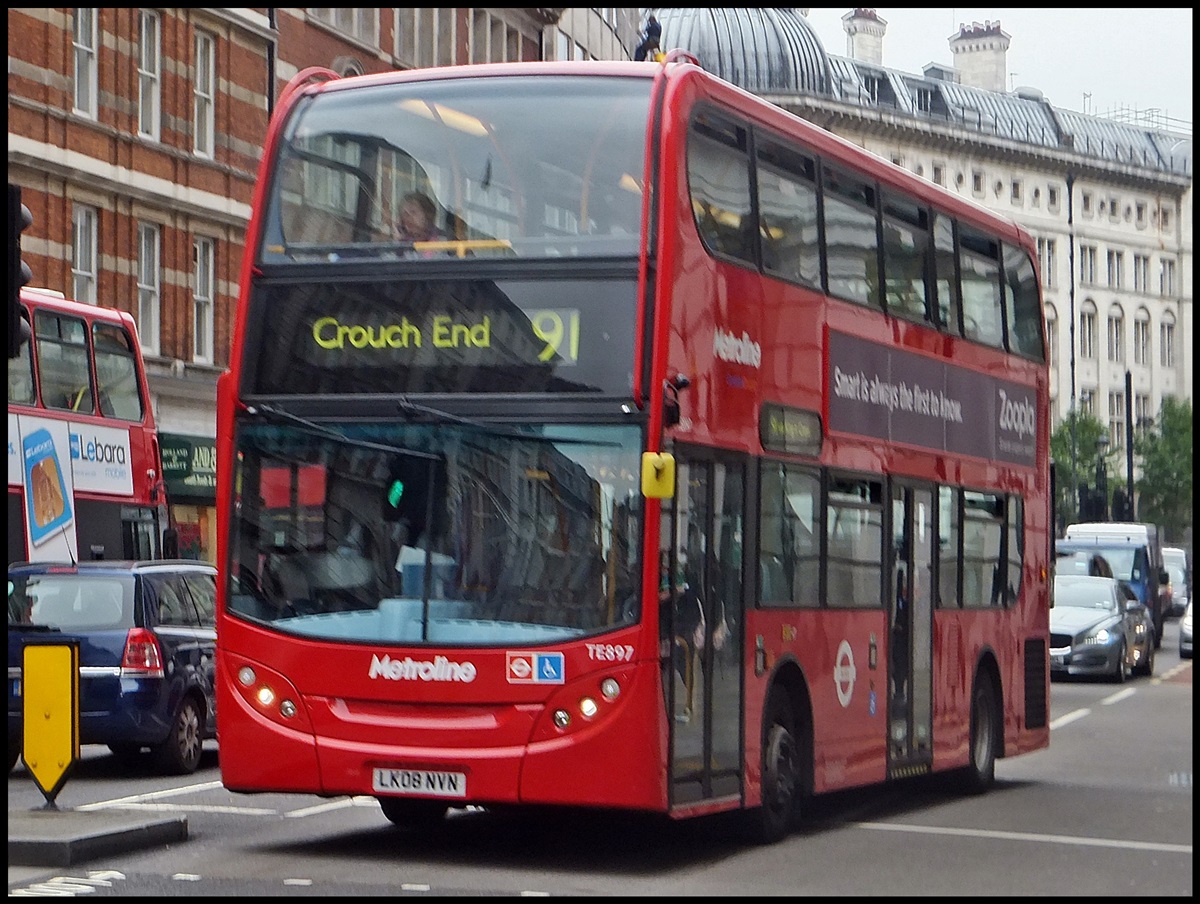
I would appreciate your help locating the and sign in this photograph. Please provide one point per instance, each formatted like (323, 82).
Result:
(189, 465)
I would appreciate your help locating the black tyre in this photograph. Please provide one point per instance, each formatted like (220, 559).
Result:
(408, 813)
(781, 778)
(180, 753)
(980, 774)
(1121, 674)
(14, 754)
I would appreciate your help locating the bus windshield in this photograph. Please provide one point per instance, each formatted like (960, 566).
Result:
(447, 533)
(502, 182)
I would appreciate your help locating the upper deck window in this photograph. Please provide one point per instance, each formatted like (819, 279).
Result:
(116, 372)
(541, 167)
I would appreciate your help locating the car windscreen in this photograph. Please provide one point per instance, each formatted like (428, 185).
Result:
(1083, 595)
(71, 602)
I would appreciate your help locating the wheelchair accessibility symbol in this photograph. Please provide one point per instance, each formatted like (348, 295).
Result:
(535, 668)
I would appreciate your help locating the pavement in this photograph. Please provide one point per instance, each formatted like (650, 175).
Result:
(45, 838)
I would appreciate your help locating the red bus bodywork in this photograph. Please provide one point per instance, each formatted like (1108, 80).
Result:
(110, 455)
(829, 662)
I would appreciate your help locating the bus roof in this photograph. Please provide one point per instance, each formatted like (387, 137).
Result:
(752, 106)
(51, 298)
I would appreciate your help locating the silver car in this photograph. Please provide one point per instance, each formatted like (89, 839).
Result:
(1099, 628)
(1185, 633)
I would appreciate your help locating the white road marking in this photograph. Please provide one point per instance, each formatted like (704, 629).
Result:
(1031, 836)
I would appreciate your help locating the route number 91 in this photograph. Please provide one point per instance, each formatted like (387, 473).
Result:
(559, 329)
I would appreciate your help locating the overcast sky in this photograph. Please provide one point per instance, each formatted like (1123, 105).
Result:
(1126, 58)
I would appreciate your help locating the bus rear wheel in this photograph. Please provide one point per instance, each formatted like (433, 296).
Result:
(408, 813)
(780, 774)
(980, 774)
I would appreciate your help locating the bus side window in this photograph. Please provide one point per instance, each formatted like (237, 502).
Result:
(116, 373)
(63, 362)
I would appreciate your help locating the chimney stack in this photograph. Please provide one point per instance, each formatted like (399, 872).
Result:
(980, 55)
(864, 35)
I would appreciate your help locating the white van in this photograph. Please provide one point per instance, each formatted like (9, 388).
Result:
(1176, 563)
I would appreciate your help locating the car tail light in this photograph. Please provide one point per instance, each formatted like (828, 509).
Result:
(142, 657)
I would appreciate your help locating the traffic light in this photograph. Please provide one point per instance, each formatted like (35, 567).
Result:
(19, 274)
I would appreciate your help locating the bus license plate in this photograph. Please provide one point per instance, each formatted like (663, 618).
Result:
(419, 781)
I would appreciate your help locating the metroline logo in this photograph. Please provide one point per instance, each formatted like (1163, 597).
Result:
(409, 669)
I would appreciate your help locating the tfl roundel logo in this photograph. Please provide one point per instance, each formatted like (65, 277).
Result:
(534, 668)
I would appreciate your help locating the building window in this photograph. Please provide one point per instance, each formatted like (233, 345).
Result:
(1143, 415)
(149, 289)
(1141, 337)
(1164, 218)
(1116, 334)
(1087, 265)
(924, 98)
(1166, 342)
(1141, 273)
(1087, 331)
(149, 77)
(426, 37)
(939, 174)
(360, 23)
(977, 183)
(83, 253)
(1087, 401)
(1087, 202)
(1047, 261)
(86, 41)
(1052, 338)
(494, 40)
(204, 90)
(203, 254)
(1140, 207)
(1052, 198)
(1116, 269)
(1166, 279)
(1015, 191)
(1116, 420)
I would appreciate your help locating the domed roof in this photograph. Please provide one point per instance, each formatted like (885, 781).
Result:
(765, 51)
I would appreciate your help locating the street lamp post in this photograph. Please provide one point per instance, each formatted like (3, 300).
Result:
(1101, 478)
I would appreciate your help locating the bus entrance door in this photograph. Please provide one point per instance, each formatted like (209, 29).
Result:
(705, 525)
(910, 643)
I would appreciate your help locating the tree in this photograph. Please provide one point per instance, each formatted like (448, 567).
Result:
(1164, 490)
(1075, 470)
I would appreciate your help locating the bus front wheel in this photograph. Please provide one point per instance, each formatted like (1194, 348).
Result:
(780, 773)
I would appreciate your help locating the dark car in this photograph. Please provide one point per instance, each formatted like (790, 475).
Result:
(1098, 627)
(147, 644)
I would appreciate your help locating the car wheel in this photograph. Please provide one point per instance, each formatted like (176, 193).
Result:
(980, 774)
(14, 754)
(180, 753)
(1121, 673)
(413, 814)
(781, 778)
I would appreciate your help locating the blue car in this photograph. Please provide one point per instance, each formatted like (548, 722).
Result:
(147, 646)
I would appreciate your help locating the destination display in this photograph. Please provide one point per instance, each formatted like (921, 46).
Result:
(443, 336)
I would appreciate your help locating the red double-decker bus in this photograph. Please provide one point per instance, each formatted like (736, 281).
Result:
(84, 465)
(690, 459)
